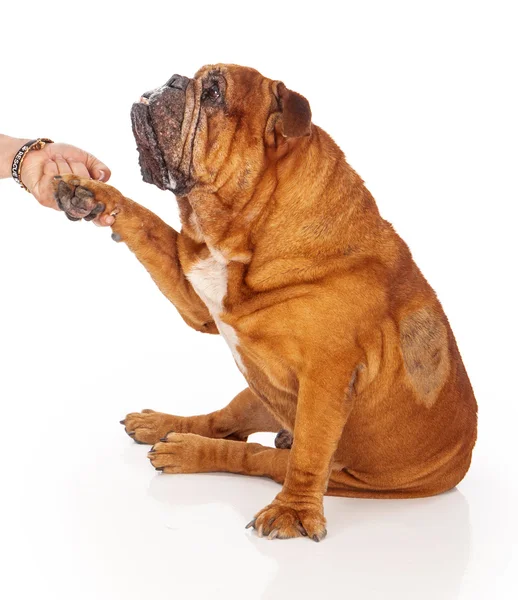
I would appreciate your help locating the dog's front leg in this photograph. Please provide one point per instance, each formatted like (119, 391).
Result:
(324, 404)
(153, 242)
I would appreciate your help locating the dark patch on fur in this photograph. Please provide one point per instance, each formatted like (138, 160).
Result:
(424, 345)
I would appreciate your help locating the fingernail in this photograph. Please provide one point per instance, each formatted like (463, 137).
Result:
(101, 176)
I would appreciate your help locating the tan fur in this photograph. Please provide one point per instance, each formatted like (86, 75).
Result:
(344, 342)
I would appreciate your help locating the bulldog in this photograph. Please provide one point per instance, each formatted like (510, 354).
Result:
(344, 345)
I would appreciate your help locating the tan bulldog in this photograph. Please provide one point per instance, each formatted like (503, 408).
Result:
(344, 345)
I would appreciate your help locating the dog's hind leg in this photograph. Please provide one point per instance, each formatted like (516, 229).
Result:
(245, 415)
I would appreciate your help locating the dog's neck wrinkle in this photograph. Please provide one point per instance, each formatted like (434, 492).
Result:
(227, 223)
(235, 222)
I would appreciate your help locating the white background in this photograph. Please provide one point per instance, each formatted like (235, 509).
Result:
(422, 98)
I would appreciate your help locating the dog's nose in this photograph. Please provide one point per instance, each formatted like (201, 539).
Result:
(179, 82)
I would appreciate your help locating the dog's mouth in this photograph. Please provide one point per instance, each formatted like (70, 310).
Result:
(151, 160)
(156, 122)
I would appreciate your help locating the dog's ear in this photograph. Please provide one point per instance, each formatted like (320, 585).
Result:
(296, 113)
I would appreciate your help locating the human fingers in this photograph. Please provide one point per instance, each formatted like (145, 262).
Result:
(79, 169)
(62, 164)
(98, 170)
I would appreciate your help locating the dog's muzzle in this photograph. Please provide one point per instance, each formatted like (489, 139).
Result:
(157, 123)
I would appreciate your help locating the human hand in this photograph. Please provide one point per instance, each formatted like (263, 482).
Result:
(41, 166)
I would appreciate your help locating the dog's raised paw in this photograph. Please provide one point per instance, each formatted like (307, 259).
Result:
(75, 200)
(88, 199)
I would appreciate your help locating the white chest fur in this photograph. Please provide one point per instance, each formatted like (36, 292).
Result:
(209, 279)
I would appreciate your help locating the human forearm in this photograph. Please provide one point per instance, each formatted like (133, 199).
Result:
(9, 146)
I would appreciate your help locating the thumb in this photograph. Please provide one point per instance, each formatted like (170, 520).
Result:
(97, 169)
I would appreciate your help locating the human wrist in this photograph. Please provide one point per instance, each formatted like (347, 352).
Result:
(9, 146)
(29, 149)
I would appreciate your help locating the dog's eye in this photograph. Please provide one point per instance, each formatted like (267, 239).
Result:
(213, 93)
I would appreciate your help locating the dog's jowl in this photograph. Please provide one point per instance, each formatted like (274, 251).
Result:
(342, 341)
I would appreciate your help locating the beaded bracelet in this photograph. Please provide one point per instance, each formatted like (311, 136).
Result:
(16, 169)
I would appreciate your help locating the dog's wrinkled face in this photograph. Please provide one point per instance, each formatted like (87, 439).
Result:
(214, 128)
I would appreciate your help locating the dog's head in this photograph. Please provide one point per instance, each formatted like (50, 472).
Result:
(219, 127)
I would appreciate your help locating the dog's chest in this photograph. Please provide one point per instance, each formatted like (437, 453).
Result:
(209, 278)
